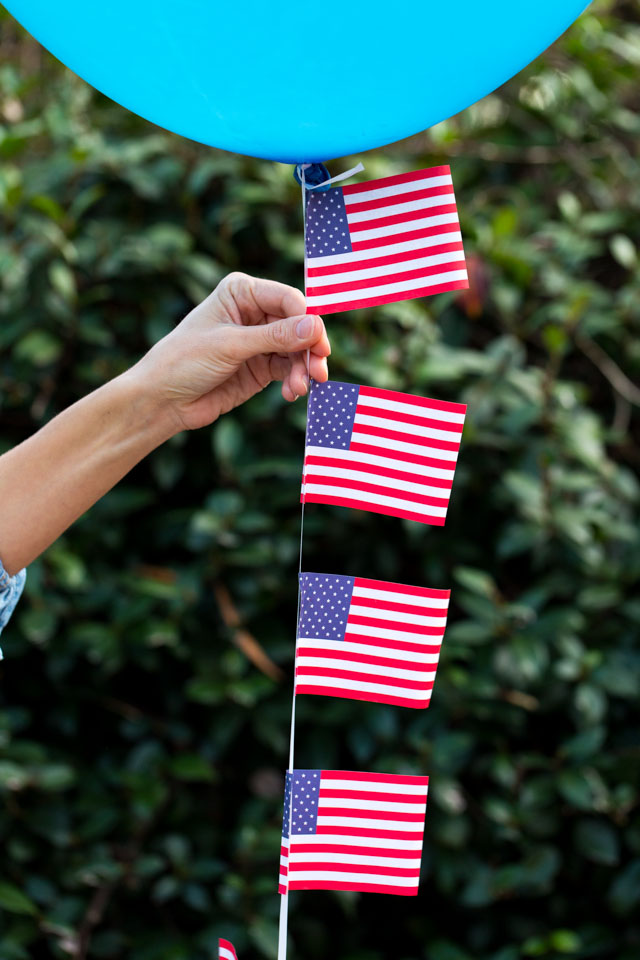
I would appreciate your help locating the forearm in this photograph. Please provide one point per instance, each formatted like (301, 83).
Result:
(52, 478)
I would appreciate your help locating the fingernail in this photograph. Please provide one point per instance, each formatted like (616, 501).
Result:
(304, 327)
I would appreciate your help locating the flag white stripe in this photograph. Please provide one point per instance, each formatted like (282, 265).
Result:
(346, 493)
(343, 646)
(225, 954)
(408, 863)
(416, 410)
(335, 839)
(359, 685)
(366, 823)
(378, 461)
(402, 246)
(393, 616)
(370, 273)
(400, 286)
(338, 875)
(401, 446)
(397, 209)
(372, 806)
(375, 670)
(409, 429)
(374, 786)
(383, 633)
(407, 486)
(394, 596)
(394, 229)
(397, 189)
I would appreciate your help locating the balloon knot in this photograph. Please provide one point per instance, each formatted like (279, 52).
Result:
(315, 176)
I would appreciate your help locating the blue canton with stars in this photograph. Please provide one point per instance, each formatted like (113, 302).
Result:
(327, 225)
(332, 410)
(324, 606)
(306, 796)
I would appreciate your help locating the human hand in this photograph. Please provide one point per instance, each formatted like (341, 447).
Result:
(247, 333)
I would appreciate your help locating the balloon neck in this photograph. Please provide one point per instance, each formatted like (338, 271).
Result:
(316, 176)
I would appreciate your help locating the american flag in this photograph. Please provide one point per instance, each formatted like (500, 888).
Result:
(368, 639)
(381, 451)
(352, 831)
(381, 241)
(226, 950)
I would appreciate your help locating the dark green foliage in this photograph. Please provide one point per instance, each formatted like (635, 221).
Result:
(142, 750)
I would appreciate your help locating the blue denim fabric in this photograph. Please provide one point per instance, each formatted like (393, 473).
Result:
(10, 590)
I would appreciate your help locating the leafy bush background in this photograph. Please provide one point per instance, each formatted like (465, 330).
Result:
(147, 674)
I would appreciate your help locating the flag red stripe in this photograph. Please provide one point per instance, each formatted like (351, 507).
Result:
(398, 218)
(361, 206)
(354, 675)
(376, 871)
(396, 178)
(356, 851)
(372, 815)
(388, 297)
(406, 437)
(325, 793)
(400, 607)
(363, 284)
(371, 834)
(381, 394)
(352, 462)
(378, 489)
(356, 619)
(312, 689)
(391, 778)
(386, 260)
(363, 658)
(373, 508)
(373, 411)
(362, 447)
(401, 588)
(400, 644)
(363, 887)
(422, 234)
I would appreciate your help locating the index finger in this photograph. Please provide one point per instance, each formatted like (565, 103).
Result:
(277, 300)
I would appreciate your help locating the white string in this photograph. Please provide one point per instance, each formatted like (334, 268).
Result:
(325, 183)
(284, 897)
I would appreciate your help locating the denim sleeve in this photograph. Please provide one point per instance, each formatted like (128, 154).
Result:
(10, 590)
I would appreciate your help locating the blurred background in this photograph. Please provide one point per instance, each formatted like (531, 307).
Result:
(148, 670)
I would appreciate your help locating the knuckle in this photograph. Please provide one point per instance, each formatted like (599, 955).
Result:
(239, 289)
(278, 334)
(236, 278)
(235, 285)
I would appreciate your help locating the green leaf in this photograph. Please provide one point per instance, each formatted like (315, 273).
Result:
(597, 841)
(477, 581)
(625, 889)
(191, 766)
(13, 900)
(39, 347)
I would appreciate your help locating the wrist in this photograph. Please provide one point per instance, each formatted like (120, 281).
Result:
(152, 416)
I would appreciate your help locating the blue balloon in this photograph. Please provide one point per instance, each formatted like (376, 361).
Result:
(292, 81)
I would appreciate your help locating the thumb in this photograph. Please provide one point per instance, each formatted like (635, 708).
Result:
(282, 336)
